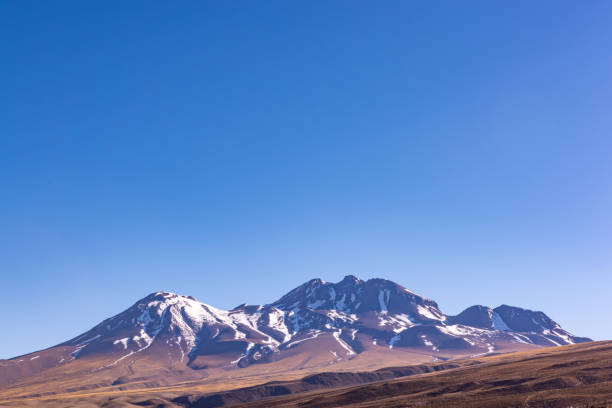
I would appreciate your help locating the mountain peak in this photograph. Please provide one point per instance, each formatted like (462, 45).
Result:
(352, 295)
(526, 320)
(350, 279)
(164, 299)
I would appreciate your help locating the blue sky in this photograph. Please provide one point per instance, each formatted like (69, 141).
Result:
(233, 150)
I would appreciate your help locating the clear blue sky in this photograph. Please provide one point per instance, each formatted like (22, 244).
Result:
(233, 150)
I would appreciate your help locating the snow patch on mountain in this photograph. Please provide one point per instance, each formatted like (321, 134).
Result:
(498, 322)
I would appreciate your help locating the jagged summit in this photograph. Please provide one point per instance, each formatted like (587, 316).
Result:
(350, 279)
(475, 316)
(353, 295)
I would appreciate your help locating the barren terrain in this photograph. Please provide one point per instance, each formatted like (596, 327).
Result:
(575, 375)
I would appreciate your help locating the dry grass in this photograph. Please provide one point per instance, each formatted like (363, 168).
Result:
(578, 376)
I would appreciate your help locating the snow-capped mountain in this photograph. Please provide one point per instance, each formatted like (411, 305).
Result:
(326, 322)
(380, 311)
(185, 328)
(513, 321)
(354, 296)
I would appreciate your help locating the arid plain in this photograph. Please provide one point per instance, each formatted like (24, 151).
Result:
(575, 375)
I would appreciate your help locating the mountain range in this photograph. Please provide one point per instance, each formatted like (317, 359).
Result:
(166, 339)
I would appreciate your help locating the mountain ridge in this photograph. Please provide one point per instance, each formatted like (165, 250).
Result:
(316, 324)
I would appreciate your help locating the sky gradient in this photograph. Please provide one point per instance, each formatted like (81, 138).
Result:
(233, 150)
